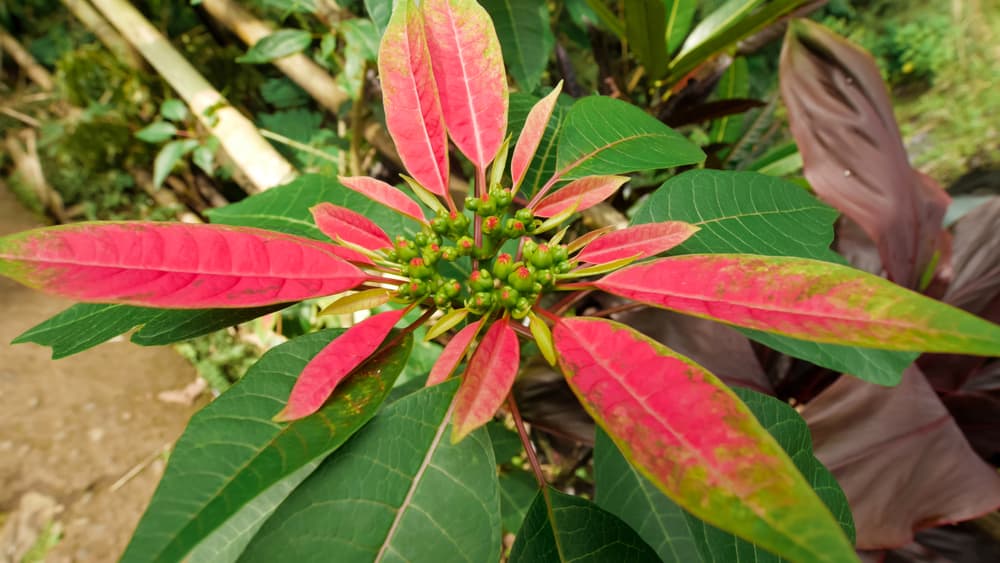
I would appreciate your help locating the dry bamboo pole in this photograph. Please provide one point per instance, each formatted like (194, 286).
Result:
(311, 77)
(23, 58)
(106, 34)
(298, 67)
(259, 164)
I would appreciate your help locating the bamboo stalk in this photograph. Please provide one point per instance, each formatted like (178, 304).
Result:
(260, 166)
(106, 34)
(311, 77)
(23, 58)
(298, 67)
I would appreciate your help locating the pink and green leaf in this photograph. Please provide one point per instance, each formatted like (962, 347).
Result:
(342, 224)
(487, 379)
(641, 241)
(695, 440)
(805, 299)
(469, 73)
(383, 193)
(584, 193)
(412, 107)
(335, 362)
(452, 354)
(531, 135)
(175, 265)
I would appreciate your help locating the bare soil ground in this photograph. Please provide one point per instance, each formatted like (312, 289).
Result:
(70, 429)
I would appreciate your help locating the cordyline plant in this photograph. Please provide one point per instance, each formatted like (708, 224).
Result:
(495, 274)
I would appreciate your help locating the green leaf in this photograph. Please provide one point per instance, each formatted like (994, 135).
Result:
(362, 35)
(646, 29)
(517, 491)
(564, 528)
(729, 23)
(379, 11)
(607, 17)
(680, 14)
(735, 83)
(168, 157)
(286, 208)
(506, 442)
(86, 325)
(525, 38)
(156, 132)
(607, 136)
(280, 43)
(204, 157)
(793, 436)
(174, 110)
(399, 491)
(750, 213)
(232, 453)
(543, 164)
(679, 536)
(626, 493)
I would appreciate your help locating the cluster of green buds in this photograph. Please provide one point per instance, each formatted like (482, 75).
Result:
(499, 280)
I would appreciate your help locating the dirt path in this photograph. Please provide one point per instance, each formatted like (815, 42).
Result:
(69, 429)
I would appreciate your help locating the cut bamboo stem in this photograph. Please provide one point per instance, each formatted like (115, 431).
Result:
(106, 34)
(23, 58)
(298, 67)
(258, 164)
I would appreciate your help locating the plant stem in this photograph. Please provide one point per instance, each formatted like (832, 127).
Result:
(619, 309)
(572, 299)
(529, 448)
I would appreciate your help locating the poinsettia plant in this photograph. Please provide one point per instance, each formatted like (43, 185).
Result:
(267, 471)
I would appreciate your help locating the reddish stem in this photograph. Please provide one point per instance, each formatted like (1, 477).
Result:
(561, 307)
(529, 448)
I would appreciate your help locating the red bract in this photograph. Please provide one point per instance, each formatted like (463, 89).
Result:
(452, 354)
(468, 69)
(805, 299)
(342, 224)
(385, 194)
(412, 108)
(580, 194)
(687, 432)
(487, 380)
(322, 375)
(175, 265)
(531, 135)
(639, 241)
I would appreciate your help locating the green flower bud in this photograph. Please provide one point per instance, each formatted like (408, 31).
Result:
(513, 228)
(416, 268)
(431, 253)
(509, 297)
(471, 203)
(529, 249)
(521, 279)
(465, 246)
(542, 257)
(521, 309)
(524, 215)
(405, 250)
(545, 279)
(487, 206)
(491, 225)
(458, 224)
(503, 266)
(480, 303)
(439, 225)
(481, 280)
(449, 253)
(559, 253)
